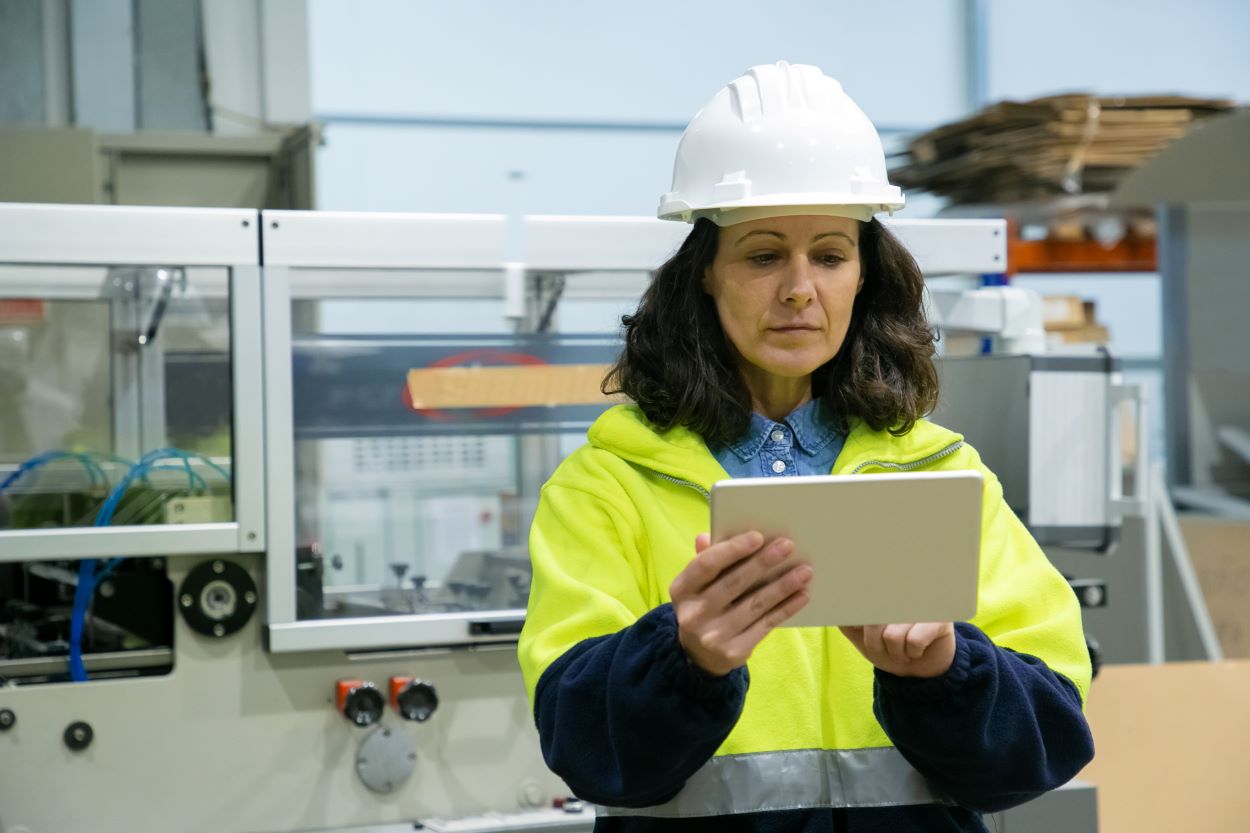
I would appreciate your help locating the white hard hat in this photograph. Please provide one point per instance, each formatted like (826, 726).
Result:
(780, 139)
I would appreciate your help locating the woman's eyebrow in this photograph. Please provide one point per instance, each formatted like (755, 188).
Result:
(832, 234)
(781, 236)
(776, 234)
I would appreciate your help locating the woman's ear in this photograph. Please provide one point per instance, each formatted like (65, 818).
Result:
(860, 285)
(706, 283)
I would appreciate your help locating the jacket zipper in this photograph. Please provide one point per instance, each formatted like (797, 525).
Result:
(914, 464)
(688, 484)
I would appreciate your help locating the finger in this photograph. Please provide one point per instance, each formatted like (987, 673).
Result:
(701, 542)
(749, 573)
(895, 639)
(873, 644)
(763, 626)
(747, 610)
(707, 565)
(921, 636)
(855, 635)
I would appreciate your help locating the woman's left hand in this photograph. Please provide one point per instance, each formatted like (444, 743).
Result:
(923, 650)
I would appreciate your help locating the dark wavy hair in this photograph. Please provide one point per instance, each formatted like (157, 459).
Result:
(680, 368)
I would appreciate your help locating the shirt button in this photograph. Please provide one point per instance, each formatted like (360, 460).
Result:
(778, 435)
(779, 466)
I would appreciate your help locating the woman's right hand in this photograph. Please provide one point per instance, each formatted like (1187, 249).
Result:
(720, 618)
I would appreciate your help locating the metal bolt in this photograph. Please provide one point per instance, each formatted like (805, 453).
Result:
(251, 536)
(249, 597)
(274, 224)
(107, 589)
(80, 735)
(179, 506)
(246, 224)
(219, 630)
(218, 567)
(186, 600)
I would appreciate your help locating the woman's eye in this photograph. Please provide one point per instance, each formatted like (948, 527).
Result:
(763, 259)
(832, 260)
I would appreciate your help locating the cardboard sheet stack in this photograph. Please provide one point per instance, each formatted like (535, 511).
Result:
(1058, 145)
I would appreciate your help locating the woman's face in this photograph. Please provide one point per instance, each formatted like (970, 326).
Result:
(784, 288)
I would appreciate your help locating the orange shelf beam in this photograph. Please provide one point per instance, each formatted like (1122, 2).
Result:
(1131, 254)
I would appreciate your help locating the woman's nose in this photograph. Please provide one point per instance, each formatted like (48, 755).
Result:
(798, 286)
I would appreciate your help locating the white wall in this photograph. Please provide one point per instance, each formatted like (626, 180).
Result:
(550, 70)
(646, 60)
(562, 67)
(1199, 47)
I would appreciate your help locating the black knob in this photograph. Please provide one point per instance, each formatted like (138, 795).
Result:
(364, 705)
(78, 735)
(7, 719)
(417, 701)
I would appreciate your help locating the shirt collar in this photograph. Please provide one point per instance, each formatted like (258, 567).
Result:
(810, 424)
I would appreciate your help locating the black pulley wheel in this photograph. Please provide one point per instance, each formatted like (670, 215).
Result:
(217, 598)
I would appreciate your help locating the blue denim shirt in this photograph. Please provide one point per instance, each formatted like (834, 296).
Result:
(805, 442)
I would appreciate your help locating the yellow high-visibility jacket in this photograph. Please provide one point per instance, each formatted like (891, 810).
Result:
(807, 727)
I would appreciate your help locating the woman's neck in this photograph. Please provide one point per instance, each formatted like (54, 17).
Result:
(776, 397)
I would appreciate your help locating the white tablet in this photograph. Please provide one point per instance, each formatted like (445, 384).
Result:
(884, 548)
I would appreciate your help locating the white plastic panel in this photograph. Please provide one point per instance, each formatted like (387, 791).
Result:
(327, 239)
(134, 236)
(600, 243)
(953, 247)
(1068, 455)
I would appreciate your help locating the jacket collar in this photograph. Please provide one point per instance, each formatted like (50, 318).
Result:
(681, 454)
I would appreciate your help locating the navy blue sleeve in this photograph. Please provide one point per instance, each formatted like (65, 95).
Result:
(997, 730)
(626, 718)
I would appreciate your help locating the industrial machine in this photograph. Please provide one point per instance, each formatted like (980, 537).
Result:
(265, 483)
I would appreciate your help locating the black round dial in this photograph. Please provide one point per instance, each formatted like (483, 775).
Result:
(364, 705)
(417, 701)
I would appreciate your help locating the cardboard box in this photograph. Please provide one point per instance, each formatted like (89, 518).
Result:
(1061, 312)
(1170, 747)
(1085, 334)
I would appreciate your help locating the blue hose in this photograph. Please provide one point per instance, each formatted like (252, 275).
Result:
(88, 577)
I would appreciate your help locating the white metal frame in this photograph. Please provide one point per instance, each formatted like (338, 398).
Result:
(455, 253)
(383, 250)
(605, 244)
(74, 236)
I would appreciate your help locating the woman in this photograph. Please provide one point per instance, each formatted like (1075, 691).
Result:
(786, 336)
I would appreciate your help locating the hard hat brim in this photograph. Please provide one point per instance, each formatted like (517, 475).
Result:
(857, 206)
